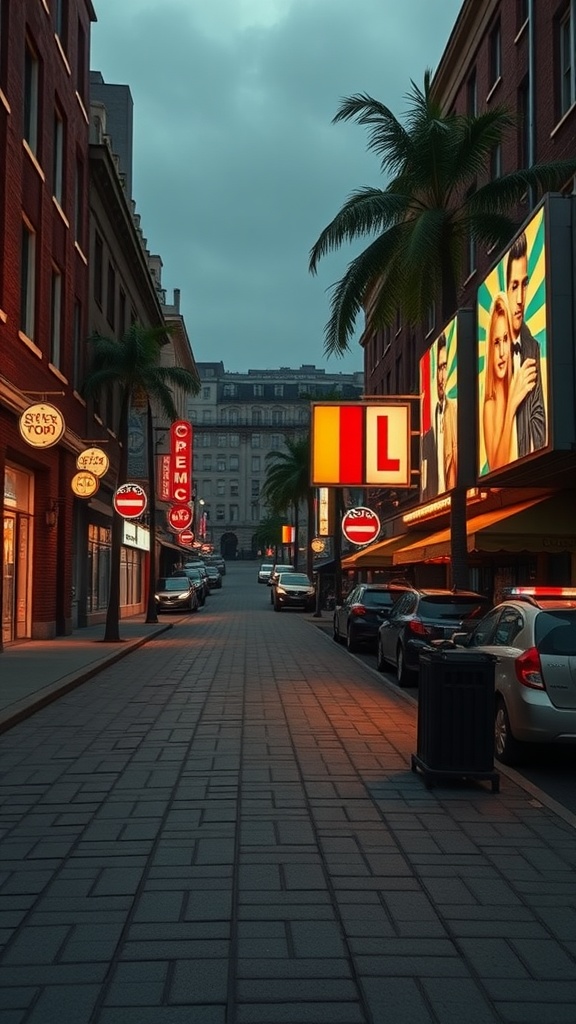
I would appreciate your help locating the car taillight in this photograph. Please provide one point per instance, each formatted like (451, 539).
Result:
(357, 609)
(418, 627)
(529, 669)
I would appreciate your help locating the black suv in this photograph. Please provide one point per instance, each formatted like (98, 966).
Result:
(357, 620)
(418, 618)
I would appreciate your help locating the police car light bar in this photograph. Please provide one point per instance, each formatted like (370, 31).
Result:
(541, 591)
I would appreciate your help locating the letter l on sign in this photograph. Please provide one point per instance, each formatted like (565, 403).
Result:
(388, 445)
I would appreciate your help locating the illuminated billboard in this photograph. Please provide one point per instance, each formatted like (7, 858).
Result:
(513, 358)
(359, 444)
(439, 415)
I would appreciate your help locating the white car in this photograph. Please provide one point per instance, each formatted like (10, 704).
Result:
(264, 572)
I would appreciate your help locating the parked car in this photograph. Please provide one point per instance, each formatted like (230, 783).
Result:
(214, 577)
(420, 617)
(293, 590)
(218, 561)
(357, 620)
(202, 570)
(532, 635)
(264, 572)
(273, 577)
(198, 580)
(175, 594)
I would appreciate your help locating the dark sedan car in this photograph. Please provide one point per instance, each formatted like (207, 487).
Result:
(214, 577)
(199, 581)
(358, 619)
(293, 590)
(419, 618)
(175, 594)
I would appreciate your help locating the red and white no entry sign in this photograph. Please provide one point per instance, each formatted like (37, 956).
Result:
(130, 501)
(360, 525)
(179, 517)
(186, 537)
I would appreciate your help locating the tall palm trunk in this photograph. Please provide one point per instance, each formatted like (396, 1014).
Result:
(112, 630)
(151, 612)
(460, 574)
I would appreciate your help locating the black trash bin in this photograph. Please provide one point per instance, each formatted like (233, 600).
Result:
(456, 717)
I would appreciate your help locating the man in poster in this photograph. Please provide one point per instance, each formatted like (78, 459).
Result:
(531, 415)
(439, 442)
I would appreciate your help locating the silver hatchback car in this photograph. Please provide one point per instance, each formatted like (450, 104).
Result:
(532, 635)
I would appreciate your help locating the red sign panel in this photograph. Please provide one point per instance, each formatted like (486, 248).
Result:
(360, 525)
(164, 478)
(181, 461)
(130, 501)
(179, 517)
(186, 537)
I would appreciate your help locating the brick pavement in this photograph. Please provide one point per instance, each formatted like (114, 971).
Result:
(222, 828)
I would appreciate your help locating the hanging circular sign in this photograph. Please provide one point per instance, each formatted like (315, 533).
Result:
(42, 425)
(130, 501)
(318, 544)
(84, 484)
(94, 460)
(179, 517)
(360, 525)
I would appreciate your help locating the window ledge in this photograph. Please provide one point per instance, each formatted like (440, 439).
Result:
(34, 160)
(493, 88)
(564, 118)
(4, 102)
(470, 277)
(79, 398)
(57, 373)
(81, 253)
(62, 53)
(30, 344)
(82, 107)
(3, 316)
(521, 31)
(61, 212)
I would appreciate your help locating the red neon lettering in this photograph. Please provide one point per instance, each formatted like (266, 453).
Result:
(384, 462)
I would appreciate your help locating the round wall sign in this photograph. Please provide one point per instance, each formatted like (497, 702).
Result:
(84, 484)
(318, 544)
(42, 425)
(94, 460)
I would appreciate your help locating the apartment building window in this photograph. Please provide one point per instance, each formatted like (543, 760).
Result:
(255, 463)
(111, 296)
(234, 513)
(303, 416)
(278, 390)
(234, 440)
(79, 202)
(220, 488)
(98, 269)
(233, 417)
(255, 512)
(258, 390)
(220, 513)
(472, 94)
(566, 61)
(257, 418)
(56, 318)
(496, 162)
(234, 463)
(206, 416)
(277, 417)
(222, 440)
(495, 43)
(207, 488)
(399, 375)
(255, 489)
(276, 441)
(205, 441)
(207, 463)
(471, 253)
(58, 157)
(78, 352)
(234, 488)
(121, 312)
(28, 281)
(206, 392)
(221, 464)
(31, 97)
(230, 390)
(81, 62)
(522, 14)
(256, 441)
(61, 21)
(524, 123)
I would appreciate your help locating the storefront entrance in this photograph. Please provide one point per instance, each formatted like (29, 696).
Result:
(17, 555)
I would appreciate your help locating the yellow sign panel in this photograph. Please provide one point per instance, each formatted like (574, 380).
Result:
(94, 460)
(42, 425)
(84, 484)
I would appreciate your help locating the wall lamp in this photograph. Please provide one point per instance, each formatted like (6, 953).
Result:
(51, 514)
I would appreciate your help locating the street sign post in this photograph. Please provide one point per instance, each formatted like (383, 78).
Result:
(360, 526)
(179, 517)
(130, 501)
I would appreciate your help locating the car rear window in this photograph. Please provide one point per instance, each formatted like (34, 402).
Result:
(555, 632)
(444, 607)
(378, 598)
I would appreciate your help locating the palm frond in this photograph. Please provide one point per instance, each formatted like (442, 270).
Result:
(367, 211)
(386, 135)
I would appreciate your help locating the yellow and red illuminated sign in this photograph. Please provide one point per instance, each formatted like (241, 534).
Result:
(360, 444)
(288, 534)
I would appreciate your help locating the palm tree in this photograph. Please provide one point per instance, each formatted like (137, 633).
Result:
(131, 366)
(268, 533)
(287, 485)
(430, 210)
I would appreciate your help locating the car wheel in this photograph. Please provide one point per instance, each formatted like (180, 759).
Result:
(403, 675)
(506, 748)
(351, 642)
(380, 659)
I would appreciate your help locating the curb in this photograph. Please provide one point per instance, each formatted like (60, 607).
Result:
(28, 706)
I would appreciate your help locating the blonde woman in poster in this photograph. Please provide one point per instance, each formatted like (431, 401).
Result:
(504, 390)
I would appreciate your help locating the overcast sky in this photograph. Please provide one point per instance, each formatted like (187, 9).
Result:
(237, 167)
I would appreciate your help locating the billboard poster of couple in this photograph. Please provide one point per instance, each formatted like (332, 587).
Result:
(512, 380)
(439, 415)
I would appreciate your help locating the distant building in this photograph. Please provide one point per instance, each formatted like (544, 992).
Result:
(239, 418)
